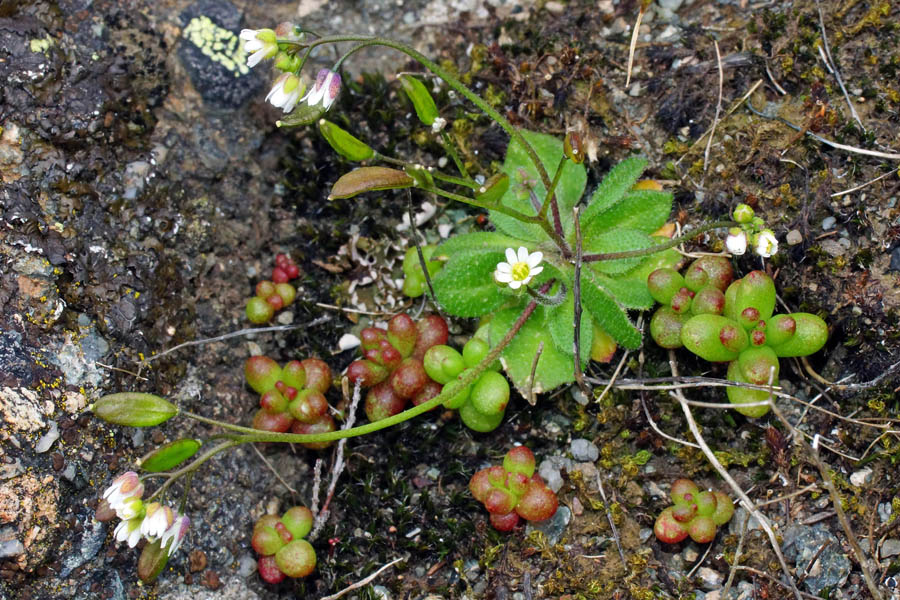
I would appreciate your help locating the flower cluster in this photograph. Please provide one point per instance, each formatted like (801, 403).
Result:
(152, 520)
(750, 233)
(281, 44)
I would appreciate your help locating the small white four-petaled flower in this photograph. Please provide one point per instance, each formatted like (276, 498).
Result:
(520, 267)
(286, 92)
(736, 242)
(158, 520)
(326, 89)
(176, 533)
(259, 44)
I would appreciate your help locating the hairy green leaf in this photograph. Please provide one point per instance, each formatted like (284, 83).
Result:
(482, 240)
(524, 177)
(642, 210)
(465, 287)
(607, 312)
(553, 367)
(613, 187)
(629, 292)
(562, 329)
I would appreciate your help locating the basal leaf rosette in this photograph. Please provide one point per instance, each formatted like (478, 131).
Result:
(694, 512)
(619, 216)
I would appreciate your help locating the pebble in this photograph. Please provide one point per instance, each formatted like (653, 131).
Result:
(690, 554)
(246, 566)
(553, 527)
(10, 548)
(828, 223)
(737, 521)
(636, 89)
(584, 450)
(833, 247)
(549, 471)
(832, 567)
(710, 579)
(890, 547)
(884, 511)
(46, 440)
(794, 237)
(861, 477)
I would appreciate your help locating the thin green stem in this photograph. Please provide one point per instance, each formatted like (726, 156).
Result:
(193, 466)
(451, 150)
(492, 206)
(435, 173)
(449, 391)
(659, 247)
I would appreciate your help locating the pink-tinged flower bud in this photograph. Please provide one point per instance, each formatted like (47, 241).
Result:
(176, 533)
(743, 213)
(124, 487)
(326, 89)
(157, 520)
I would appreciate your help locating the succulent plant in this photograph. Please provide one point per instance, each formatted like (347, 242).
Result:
(414, 283)
(273, 294)
(513, 492)
(722, 320)
(694, 513)
(280, 545)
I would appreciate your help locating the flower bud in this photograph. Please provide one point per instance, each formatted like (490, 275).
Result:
(743, 213)
(572, 147)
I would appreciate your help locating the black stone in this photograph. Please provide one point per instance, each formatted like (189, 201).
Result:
(895, 260)
(210, 52)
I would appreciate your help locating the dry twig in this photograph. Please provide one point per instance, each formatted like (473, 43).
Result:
(361, 582)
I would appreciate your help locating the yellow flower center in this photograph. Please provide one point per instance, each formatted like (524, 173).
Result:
(520, 271)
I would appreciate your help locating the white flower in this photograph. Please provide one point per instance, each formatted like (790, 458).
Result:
(438, 124)
(736, 242)
(130, 509)
(175, 533)
(766, 244)
(157, 521)
(124, 487)
(520, 268)
(129, 531)
(259, 44)
(325, 90)
(286, 92)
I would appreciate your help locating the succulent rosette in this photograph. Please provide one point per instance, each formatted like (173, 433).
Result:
(693, 513)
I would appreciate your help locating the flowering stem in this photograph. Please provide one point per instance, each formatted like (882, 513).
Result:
(436, 174)
(451, 150)
(658, 247)
(492, 206)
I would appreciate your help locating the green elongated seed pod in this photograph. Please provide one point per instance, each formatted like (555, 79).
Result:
(421, 99)
(739, 396)
(134, 409)
(810, 335)
(714, 337)
(344, 143)
(369, 179)
(152, 561)
(169, 455)
(303, 114)
(757, 292)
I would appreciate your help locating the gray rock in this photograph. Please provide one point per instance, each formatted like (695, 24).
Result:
(737, 521)
(833, 247)
(794, 237)
(802, 543)
(861, 477)
(828, 223)
(94, 535)
(10, 548)
(890, 547)
(884, 511)
(584, 450)
(550, 468)
(46, 440)
(246, 566)
(553, 527)
(710, 579)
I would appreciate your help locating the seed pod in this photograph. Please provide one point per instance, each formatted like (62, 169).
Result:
(169, 455)
(344, 143)
(369, 179)
(152, 561)
(134, 409)
(572, 147)
(421, 99)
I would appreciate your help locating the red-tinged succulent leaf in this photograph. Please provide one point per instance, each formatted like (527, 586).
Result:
(325, 424)
(308, 406)
(496, 476)
(366, 373)
(665, 327)
(286, 292)
(500, 501)
(294, 375)
(273, 401)
(702, 529)
(756, 290)
(431, 390)
(480, 485)
(292, 270)
(268, 570)
(714, 337)
(265, 288)
(709, 270)
(708, 300)
(724, 509)
(474, 351)
(506, 522)
(706, 503)
(297, 559)
(259, 311)
(431, 330)
(519, 460)
(275, 301)
(371, 338)
(383, 402)
(668, 529)
(810, 335)
(318, 375)
(680, 490)
(537, 503)
(369, 179)
(516, 483)
(298, 520)
(402, 333)
(681, 301)
(490, 393)
(279, 275)
(274, 422)
(408, 378)
(261, 373)
(684, 512)
(758, 365)
(266, 541)
(663, 284)
(266, 521)
(780, 329)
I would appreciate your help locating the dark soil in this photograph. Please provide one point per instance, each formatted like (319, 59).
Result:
(146, 190)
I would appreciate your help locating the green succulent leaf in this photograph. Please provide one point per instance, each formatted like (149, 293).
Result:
(169, 455)
(524, 177)
(618, 240)
(608, 313)
(640, 210)
(562, 319)
(553, 367)
(613, 188)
